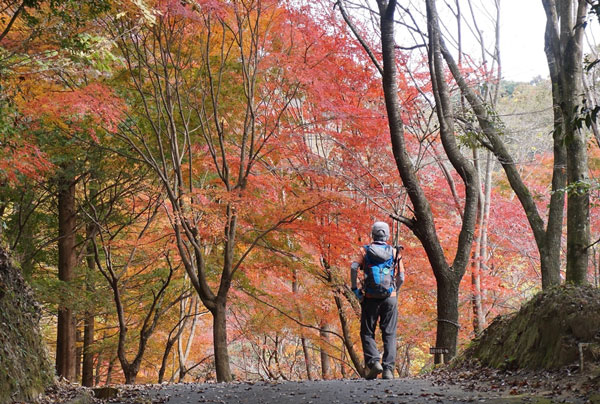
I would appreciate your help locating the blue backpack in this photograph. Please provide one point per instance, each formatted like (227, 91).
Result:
(378, 265)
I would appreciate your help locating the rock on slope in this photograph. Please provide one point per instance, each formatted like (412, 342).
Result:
(24, 367)
(548, 332)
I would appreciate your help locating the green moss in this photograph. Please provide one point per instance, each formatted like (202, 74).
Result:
(24, 367)
(544, 334)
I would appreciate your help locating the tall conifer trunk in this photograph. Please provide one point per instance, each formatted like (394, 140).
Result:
(66, 332)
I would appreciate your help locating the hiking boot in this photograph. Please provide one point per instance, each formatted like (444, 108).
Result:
(387, 373)
(373, 370)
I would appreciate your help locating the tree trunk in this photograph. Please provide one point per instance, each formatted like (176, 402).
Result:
(184, 353)
(176, 333)
(447, 327)
(325, 358)
(448, 276)
(343, 371)
(597, 268)
(87, 374)
(149, 323)
(578, 212)
(98, 369)
(565, 23)
(109, 371)
(551, 248)
(78, 351)
(422, 225)
(480, 251)
(403, 366)
(66, 330)
(547, 239)
(348, 342)
(307, 359)
(476, 305)
(578, 197)
(165, 358)
(130, 372)
(483, 244)
(220, 341)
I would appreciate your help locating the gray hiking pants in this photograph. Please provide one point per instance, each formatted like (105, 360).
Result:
(386, 311)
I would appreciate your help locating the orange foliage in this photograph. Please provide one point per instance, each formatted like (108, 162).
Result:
(324, 159)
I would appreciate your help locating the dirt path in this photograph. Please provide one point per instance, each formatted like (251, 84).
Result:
(336, 392)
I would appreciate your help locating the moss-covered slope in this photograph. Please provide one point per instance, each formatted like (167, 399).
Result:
(545, 334)
(24, 367)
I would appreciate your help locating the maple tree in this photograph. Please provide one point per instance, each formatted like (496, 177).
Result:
(152, 265)
(230, 157)
(214, 117)
(448, 276)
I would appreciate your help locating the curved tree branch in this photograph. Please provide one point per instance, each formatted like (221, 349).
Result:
(360, 39)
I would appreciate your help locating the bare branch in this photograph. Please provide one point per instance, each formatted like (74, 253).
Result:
(359, 37)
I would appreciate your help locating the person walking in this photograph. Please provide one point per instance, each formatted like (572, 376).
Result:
(383, 274)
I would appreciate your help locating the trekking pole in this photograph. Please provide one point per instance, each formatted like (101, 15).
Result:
(396, 228)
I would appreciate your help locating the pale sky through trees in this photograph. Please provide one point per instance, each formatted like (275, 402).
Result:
(522, 25)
